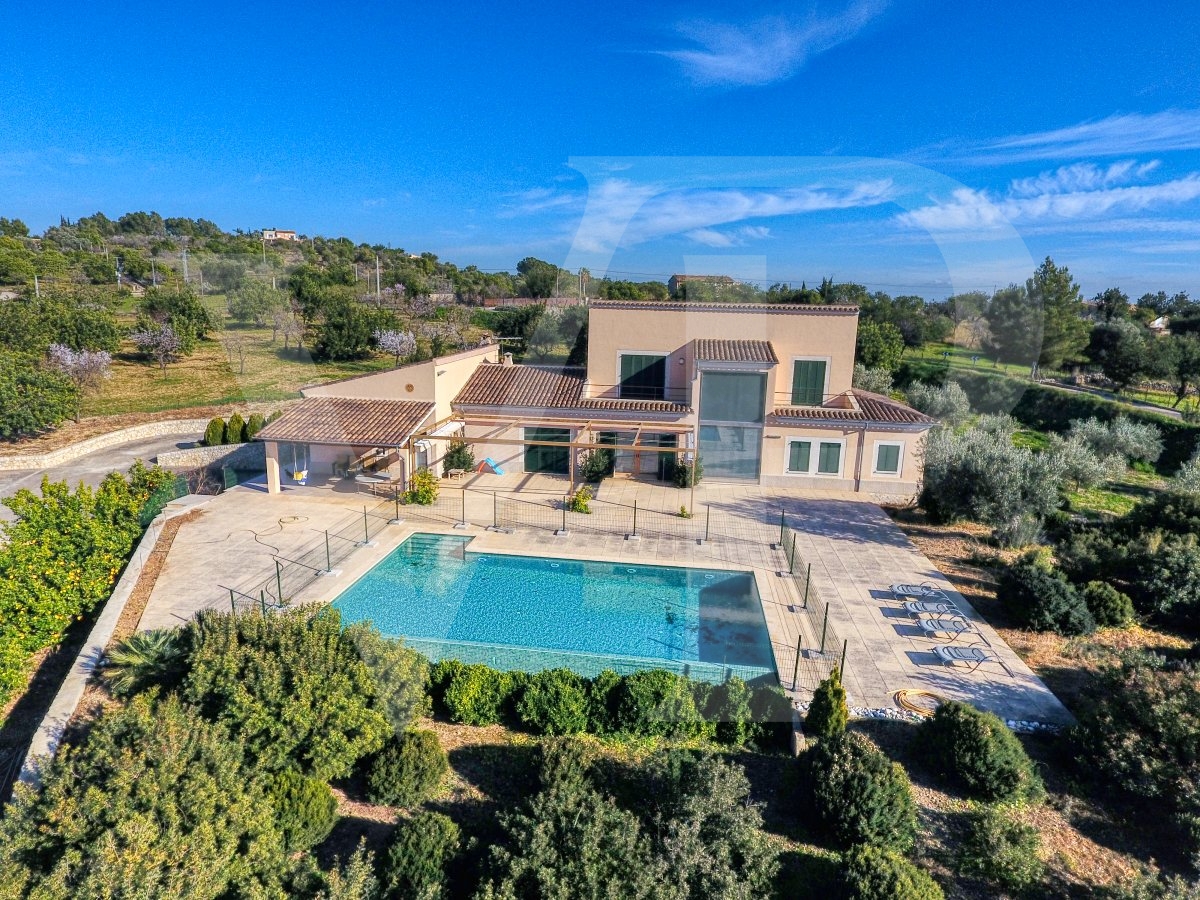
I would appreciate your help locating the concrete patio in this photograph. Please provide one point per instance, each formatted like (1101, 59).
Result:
(855, 551)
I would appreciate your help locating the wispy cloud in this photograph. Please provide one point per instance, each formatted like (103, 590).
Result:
(537, 200)
(766, 49)
(1068, 194)
(628, 213)
(737, 237)
(1118, 135)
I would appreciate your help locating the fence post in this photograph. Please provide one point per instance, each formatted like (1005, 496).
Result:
(564, 528)
(328, 559)
(796, 667)
(792, 556)
(495, 516)
(824, 628)
(366, 529)
(707, 521)
(807, 582)
(262, 602)
(782, 528)
(842, 667)
(634, 518)
(397, 498)
(464, 506)
(279, 582)
(232, 602)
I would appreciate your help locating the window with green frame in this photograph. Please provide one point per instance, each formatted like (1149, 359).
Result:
(808, 382)
(643, 376)
(887, 459)
(799, 456)
(829, 458)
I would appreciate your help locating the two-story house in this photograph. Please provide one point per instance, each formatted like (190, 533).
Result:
(757, 393)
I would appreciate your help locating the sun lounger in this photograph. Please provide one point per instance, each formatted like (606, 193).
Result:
(919, 592)
(920, 608)
(945, 625)
(972, 656)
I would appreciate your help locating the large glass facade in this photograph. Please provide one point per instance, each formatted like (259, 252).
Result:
(552, 460)
(732, 405)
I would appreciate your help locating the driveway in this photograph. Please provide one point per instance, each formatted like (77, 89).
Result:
(92, 468)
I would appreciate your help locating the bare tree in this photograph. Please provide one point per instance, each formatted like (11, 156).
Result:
(235, 345)
(159, 342)
(87, 368)
(400, 343)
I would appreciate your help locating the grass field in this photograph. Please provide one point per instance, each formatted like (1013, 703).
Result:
(214, 375)
(1115, 498)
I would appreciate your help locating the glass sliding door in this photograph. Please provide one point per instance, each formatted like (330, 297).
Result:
(541, 458)
(732, 407)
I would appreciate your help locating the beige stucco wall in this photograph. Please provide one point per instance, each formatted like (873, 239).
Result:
(436, 380)
(795, 332)
(858, 459)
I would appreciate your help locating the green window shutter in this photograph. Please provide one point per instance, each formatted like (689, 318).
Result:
(887, 460)
(829, 459)
(808, 382)
(799, 455)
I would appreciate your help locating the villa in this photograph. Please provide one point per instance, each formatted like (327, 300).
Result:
(758, 393)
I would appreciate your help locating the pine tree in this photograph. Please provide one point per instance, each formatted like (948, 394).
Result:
(828, 713)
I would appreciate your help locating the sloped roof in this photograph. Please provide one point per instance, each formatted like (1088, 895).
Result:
(495, 384)
(709, 350)
(866, 407)
(546, 387)
(339, 420)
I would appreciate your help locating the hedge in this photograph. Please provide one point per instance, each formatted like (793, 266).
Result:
(1050, 409)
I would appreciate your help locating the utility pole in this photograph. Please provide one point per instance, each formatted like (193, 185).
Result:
(264, 243)
(37, 291)
(378, 292)
(185, 272)
(153, 275)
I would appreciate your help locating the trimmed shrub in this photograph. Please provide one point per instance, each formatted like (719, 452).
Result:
(554, 702)
(603, 692)
(254, 425)
(459, 455)
(235, 430)
(477, 694)
(407, 770)
(440, 675)
(658, 703)
(596, 465)
(421, 850)
(828, 713)
(423, 488)
(685, 474)
(978, 751)
(858, 794)
(1001, 850)
(1109, 607)
(1044, 600)
(772, 713)
(873, 873)
(580, 501)
(729, 707)
(214, 434)
(305, 809)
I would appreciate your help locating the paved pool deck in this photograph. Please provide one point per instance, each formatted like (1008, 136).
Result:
(855, 550)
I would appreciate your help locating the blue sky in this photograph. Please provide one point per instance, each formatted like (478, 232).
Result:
(915, 146)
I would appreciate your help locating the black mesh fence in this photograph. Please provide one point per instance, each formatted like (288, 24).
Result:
(819, 649)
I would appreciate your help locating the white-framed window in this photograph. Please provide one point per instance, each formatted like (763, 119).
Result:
(815, 456)
(810, 380)
(888, 458)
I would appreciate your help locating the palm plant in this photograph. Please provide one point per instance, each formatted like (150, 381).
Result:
(145, 658)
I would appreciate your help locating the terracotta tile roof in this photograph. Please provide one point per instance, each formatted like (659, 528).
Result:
(778, 309)
(545, 387)
(736, 351)
(338, 420)
(536, 387)
(870, 408)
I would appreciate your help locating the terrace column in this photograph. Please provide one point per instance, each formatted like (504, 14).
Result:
(272, 467)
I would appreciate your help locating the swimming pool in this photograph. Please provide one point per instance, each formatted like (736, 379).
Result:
(527, 613)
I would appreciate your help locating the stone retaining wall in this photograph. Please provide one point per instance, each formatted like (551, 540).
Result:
(250, 456)
(102, 442)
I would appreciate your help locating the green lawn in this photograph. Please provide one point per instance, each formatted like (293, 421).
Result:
(1116, 497)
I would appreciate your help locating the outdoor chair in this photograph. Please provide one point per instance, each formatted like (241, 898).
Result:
(972, 656)
(953, 626)
(924, 591)
(918, 608)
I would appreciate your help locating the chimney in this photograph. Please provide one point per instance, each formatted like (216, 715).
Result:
(507, 359)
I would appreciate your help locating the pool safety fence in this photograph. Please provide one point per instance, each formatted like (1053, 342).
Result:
(293, 571)
(544, 512)
(528, 659)
(819, 649)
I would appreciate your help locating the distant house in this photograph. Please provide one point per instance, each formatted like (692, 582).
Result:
(676, 282)
(279, 234)
(1160, 326)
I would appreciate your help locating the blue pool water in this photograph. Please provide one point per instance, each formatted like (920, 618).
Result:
(519, 612)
